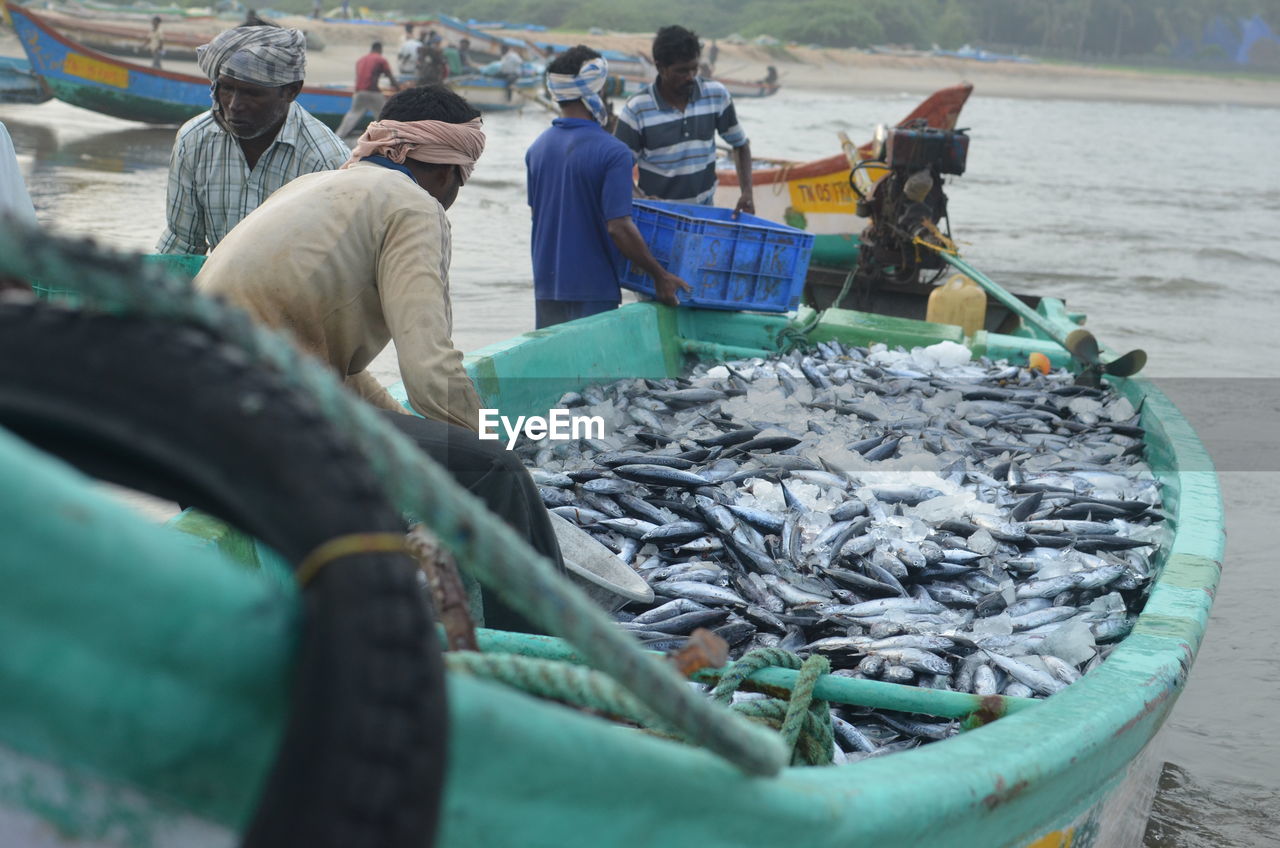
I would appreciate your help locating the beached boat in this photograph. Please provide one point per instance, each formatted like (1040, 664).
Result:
(816, 196)
(83, 77)
(494, 94)
(749, 89)
(121, 37)
(144, 13)
(18, 84)
(178, 744)
(485, 46)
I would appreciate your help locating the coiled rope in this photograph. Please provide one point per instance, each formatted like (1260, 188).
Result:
(796, 336)
(484, 545)
(803, 721)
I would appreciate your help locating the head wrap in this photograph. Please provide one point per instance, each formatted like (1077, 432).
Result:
(262, 55)
(585, 85)
(435, 142)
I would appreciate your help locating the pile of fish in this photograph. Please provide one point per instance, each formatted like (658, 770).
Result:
(915, 516)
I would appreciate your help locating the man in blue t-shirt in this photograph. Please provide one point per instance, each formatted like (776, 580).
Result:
(580, 193)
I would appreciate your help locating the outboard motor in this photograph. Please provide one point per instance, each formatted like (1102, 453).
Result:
(905, 205)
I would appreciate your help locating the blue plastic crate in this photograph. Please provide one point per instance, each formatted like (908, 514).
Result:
(742, 263)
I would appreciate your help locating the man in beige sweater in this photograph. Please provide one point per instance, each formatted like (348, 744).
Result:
(352, 259)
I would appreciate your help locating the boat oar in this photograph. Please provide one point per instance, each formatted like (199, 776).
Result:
(1080, 343)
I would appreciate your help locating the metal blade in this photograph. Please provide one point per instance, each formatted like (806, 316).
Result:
(1083, 346)
(1129, 364)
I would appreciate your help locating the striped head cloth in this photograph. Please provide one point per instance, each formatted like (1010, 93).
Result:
(261, 55)
(585, 85)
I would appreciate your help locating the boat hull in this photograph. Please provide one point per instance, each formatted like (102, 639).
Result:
(123, 38)
(743, 88)
(84, 77)
(489, 94)
(1069, 771)
(485, 46)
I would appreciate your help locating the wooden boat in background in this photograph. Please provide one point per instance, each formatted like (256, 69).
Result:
(128, 38)
(84, 77)
(494, 94)
(485, 46)
(816, 196)
(93, 8)
(745, 88)
(19, 84)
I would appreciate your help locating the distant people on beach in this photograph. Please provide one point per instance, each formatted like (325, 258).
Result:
(511, 64)
(407, 55)
(433, 69)
(154, 42)
(509, 69)
(368, 97)
(772, 76)
(452, 60)
(346, 10)
(713, 53)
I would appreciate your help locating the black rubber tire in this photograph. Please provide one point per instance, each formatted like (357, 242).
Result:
(171, 409)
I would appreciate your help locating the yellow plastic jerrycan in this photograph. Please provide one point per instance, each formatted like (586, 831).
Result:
(958, 301)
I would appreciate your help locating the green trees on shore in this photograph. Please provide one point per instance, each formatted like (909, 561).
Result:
(1083, 29)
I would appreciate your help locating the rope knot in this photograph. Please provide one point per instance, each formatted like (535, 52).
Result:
(803, 721)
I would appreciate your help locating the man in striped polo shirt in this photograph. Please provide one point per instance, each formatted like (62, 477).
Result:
(671, 127)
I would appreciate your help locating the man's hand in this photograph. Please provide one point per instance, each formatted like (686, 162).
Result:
(745, 204)
(666, 285)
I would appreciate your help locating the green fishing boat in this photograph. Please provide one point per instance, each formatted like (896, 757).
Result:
(176, 685)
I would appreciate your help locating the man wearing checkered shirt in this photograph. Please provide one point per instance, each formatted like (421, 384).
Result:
(252, 141)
